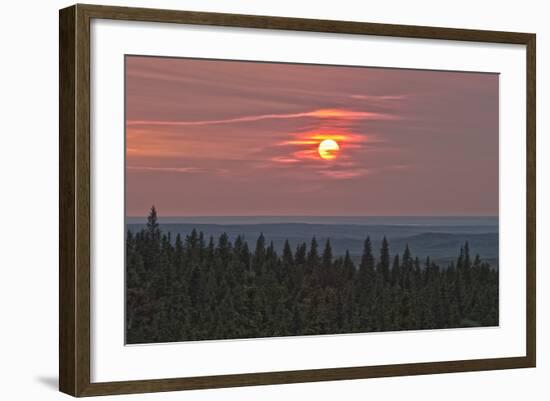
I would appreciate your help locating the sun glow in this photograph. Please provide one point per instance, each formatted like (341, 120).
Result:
(328, 149)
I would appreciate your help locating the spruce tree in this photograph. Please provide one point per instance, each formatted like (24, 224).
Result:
(384, 265)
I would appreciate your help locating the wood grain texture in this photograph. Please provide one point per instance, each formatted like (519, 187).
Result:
(301, 24)
(302, 376)
(74, 199)
(531, 228)
(82, 193)
(74, 207)
(67, 265)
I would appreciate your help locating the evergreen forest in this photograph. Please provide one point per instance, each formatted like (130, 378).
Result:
(198, 288)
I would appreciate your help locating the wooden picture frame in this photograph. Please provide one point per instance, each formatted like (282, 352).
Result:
(74, 204)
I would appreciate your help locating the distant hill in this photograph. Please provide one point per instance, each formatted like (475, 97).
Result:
(441, 242)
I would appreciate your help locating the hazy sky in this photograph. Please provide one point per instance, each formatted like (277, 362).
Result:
(206, 137)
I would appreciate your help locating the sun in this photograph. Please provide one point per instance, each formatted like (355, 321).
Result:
(328, 149)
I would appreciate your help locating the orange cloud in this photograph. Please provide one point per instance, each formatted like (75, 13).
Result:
(304, 150)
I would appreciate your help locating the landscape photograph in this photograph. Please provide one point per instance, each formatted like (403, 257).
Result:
(268, 199)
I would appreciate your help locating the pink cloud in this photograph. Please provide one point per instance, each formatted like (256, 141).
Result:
(185, 170)
(285, 160)
(376, 97)
(334, 114)
(347, 174)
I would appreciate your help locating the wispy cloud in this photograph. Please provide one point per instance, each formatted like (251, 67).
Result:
(185, 170)
(350, 170)
(344, 174)
(285, 160)
(336, 114)
(378, 97)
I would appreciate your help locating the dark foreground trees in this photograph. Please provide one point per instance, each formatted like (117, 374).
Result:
(193, 288)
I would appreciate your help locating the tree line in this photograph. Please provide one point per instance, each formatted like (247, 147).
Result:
(193, 288)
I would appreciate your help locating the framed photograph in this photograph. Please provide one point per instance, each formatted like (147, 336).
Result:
(250, 200)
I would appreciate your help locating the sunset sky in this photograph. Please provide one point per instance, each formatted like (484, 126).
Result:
(229, 138)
